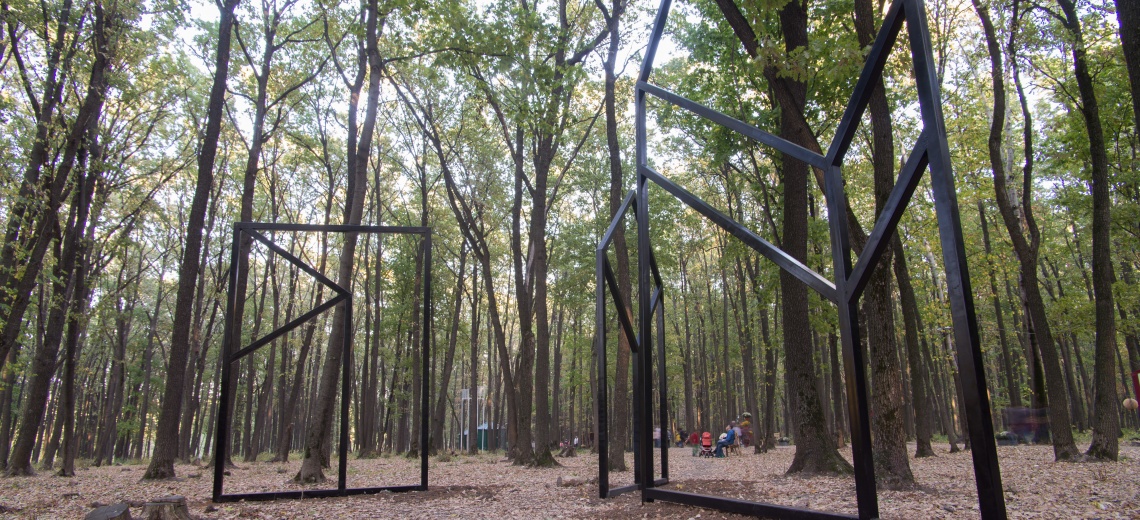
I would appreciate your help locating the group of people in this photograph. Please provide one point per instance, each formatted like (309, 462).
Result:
(734, 434)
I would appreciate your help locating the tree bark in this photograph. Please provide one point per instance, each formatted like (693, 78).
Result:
(1106, 422)
(474, 403)
(1128, 16)
(923, 426)
(815, 450)
(892, 468)
(443, 396)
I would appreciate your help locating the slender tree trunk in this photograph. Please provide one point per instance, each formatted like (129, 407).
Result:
(443, 396)
(921, 404)
(620, 411)
(1013, 389)
(474, 403)
(70, 272)
(1027, 248)
(1106, 422)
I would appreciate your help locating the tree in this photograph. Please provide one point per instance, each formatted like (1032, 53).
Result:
(815, 450)
(1106, 422)
(1026, 247)
(617, 446)
(69, 280)
(166, 447)
(318, 440)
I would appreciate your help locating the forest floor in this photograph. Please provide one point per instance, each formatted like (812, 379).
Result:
(487, 486)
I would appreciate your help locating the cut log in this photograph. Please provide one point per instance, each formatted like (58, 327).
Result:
(111, 512)
(166, 508)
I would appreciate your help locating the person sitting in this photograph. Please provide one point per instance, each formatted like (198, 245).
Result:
(746, 430)
(729, 437)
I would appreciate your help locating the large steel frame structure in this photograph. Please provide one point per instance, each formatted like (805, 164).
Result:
(930, 150)
(341, 295)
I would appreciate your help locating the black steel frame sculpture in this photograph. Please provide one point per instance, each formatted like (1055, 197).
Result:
(603, 270)
(341, 295)
(930, 150)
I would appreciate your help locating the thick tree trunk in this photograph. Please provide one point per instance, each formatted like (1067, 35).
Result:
(815, 450)
(892, 469)
(166, 446)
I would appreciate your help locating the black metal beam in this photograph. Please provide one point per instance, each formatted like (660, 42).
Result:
(785, 261)
(853, 362)
(743, 507)
(888, 219)
(301, 264)
(622, 209)
(930, 150)
(602, 397)
(987, 473)
(623, 313)
(284, 329)
(740, 127)
(313, 493)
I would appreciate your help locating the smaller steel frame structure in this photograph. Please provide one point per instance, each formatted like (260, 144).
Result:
(341, 294)
(603, 270)
(930, 150)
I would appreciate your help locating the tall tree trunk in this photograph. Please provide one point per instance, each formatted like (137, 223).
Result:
(474, 403)
(1106, 422)
(923, 425)
(620, 427)
(815, 450)
(70, 271)
(166, 447)
(1026, 248)
(1012, 388)
(318, 440)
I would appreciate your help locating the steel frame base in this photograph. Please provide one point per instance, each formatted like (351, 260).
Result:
(342, 294)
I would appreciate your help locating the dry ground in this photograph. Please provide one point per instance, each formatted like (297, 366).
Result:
(486, 486)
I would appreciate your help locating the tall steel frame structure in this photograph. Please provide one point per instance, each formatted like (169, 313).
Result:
(930, 150)
(341, 294)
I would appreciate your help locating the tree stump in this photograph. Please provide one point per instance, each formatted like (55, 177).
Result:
(112, 512)
(166, 508)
